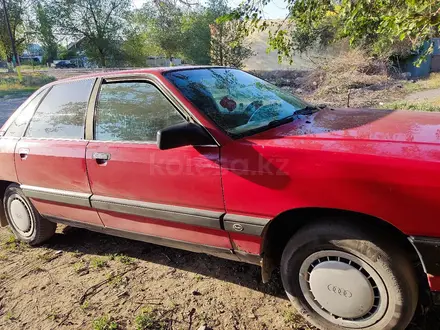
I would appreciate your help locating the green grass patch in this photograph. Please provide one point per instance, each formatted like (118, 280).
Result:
(10, 86)
(105, 323)
(431, 82)
(98, 262)
(149, 319)
(413, 106)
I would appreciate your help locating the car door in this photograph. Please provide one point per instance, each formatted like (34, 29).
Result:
(50, 158)
(174, 195)
(11, 133)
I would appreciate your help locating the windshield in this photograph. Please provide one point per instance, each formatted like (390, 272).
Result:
(238, 102)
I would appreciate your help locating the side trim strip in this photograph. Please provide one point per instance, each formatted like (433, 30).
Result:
(244, 224)
(197, 217)
(191, 216)
(212, 250)
(55, 195)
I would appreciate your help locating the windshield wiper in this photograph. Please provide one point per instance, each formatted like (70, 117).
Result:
(310, 109)
(277, 122)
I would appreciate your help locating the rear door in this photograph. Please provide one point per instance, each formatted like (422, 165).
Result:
(50, 158)
(12, 132)
(169, 194)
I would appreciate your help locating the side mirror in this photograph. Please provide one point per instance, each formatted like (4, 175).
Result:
(184, 134)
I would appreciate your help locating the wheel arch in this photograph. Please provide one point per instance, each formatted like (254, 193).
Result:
(280, 229)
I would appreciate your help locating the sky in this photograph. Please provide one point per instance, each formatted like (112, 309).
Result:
(275, 9)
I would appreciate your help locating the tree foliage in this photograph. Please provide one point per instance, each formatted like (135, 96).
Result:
(16, 10)
(379, 26)
(97, 22)
(44, 29)
(227, 44)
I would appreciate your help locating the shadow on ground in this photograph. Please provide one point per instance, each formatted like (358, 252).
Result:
(87, 242)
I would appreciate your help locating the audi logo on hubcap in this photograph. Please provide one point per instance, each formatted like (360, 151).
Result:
(340, 291)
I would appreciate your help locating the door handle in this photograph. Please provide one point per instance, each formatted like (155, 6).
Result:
(23, 153)
(101, 157)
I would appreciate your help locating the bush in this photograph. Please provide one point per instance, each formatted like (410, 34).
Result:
(349, 70)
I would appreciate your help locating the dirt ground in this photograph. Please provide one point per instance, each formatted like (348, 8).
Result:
(80, 278)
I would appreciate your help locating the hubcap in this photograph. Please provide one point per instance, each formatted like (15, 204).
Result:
(20, 215)
(343, 289)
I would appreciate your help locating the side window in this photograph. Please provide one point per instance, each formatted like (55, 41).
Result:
(62, 112)
(132, 111)
(16, 129)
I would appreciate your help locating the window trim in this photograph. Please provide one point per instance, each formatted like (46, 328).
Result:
(49, 88)
(141, 77)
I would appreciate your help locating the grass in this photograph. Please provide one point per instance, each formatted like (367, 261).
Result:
(295, 321)
(432, 82)
(12, 243)
(85, 305)
(79, 267)
(198, 277)
(105, 323)
(148, 320)
(10, 85)
(414, 106)
(126, 260)
(53, 316)
(10, 316)
(114, 280)
(98, 262)
(45, 257)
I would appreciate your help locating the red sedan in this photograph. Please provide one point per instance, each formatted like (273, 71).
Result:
(209, 159)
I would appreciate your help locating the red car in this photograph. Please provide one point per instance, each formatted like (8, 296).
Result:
(214, 160)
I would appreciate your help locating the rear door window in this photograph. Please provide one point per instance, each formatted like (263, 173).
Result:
(17, 128)
(62, 112)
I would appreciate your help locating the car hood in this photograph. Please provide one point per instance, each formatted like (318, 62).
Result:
(362, 124)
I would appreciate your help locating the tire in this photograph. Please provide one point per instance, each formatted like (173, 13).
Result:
(26, 223)
(339, 276)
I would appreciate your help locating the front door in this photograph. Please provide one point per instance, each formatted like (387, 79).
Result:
(174, 194)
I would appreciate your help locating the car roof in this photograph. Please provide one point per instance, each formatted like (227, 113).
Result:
(155, 70)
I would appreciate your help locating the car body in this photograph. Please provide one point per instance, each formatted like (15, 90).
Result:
(249, 192)
(64, 65)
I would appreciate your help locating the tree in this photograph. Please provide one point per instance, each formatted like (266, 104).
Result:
(196, 35)
(98, 22)
(377, 26)
(166, 26)
(227, 45)
(44, 29)
(139, 45)
(16, 9)
(197, 31)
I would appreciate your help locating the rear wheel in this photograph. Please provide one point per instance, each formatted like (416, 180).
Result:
(343, 277)
(25, 221)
